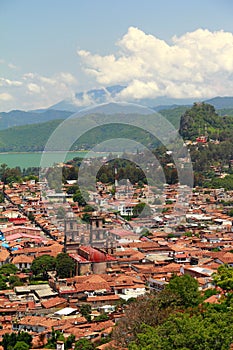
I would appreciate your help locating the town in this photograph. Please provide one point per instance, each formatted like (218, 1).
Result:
(73, 270)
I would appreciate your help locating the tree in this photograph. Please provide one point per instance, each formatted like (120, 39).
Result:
(72, 189)
(145, 233)
(8, 269)
(104, 178)
(88, 208)
(15, 281)
(25, 337)
(55, 336)
(78, 197)
(86, 217)
(9, 341)
(65, 266)
(42, 264)
(142, 209)
(84, 344)
(211, 331)
(21, 345)
(69, 341)
(224, 277)
(150, 309)
(101, 317)
(85, 311)
(10, 175)
(3, 284)
(186, 289)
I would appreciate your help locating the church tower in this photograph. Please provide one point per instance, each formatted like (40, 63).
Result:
(70, 229)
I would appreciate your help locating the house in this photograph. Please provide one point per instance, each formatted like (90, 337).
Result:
(103, 300)
(128, 256)
(128, 287)
(202, 274)
(181, 258)
(226, 258)
(55, 302)
(4, 256)
(35, 324)
(156, 284)
(22, 261)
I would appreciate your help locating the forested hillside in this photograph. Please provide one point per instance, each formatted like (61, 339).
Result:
(27, 138)
(203, 119)
(198, 120)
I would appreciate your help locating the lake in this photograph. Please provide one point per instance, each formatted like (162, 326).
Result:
(33, 159)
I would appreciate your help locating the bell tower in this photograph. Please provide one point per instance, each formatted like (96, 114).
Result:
(97, 231)
(70, 228)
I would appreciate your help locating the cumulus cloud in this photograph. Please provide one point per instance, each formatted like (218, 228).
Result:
(195, 65)
(33, 90)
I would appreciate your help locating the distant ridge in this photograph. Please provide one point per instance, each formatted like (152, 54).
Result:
(108, 95)
(19, 118)
(221, 102)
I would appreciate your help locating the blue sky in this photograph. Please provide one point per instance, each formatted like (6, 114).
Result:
(40, 39)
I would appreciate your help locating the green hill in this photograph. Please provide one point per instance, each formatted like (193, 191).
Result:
(27, 138)
(202, 119)
(33, 137)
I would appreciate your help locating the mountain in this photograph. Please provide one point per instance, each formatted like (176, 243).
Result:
(168, 107)
(88, 98)
(112, 93)
(17, 118)
(108, 94)
(221, 102)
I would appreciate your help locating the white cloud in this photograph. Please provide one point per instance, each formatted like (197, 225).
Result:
(12, 66)
(67, 78)
(5, 97)
(196, 65)
(32, 90)
(8, 82)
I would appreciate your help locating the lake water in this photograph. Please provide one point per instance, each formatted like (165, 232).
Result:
(26, 160)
